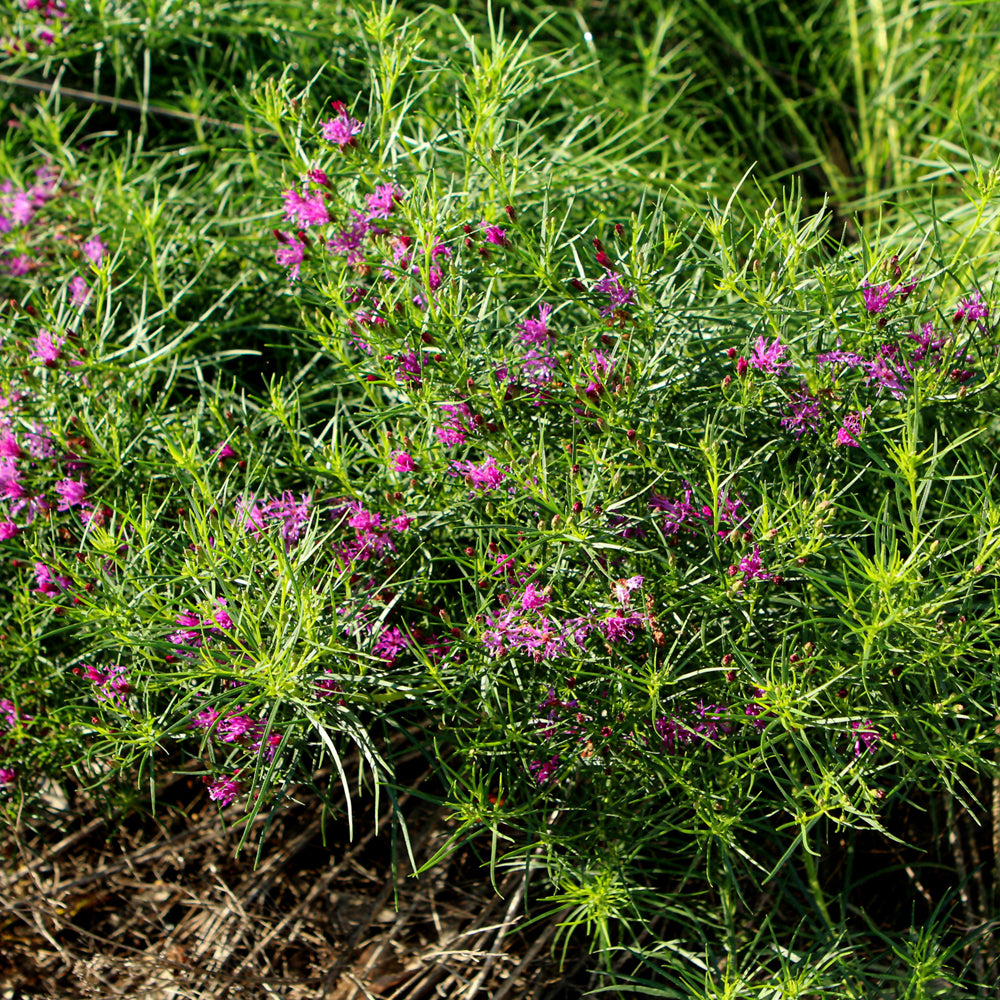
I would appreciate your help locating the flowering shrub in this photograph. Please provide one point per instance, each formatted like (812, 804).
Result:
(673, 547)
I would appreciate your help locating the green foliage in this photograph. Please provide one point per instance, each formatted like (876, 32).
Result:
(653, 503)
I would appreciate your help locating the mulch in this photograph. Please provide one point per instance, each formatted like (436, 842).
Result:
(162, 906)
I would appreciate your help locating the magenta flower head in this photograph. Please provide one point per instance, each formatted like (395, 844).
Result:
(536, 331)
(224, 790)
(306, 209)
(292, 514)
(804, 415)
(494, 234)
(402, 461)
(385, 198)
(877, 297)
(71, 493)
(866, 737)
(224, 451)
(48, 583)
(46, 349)
(623, 589)
(342, 129)
(249, 515)
(9, 448)
(291, 252)
(542, 771)
(487, 476)
(79, 291)
(850, 429)
(767, 357)
(94, 250)
(7, 776)
(971, 308)
(752, 568)
(619, 297)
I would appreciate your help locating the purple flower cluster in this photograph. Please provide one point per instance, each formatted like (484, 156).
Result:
(111, 686)
(619, 297)
(683, 515)
(877, 297)
(342, 129)
(700, 723)
(45, 19)
(233, 730)
(483, 477)
(285, 511)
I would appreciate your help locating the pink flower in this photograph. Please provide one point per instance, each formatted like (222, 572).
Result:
(850, 429)
(110, 685)
(9, 447)
(487, 476)
(342, 129)
(402, 461)
(618, 295)
(20, 265)
(623, 589)
(10, 480)
(383, 201)
(804, 414)
(10, 718)
(46, 349)
(494, 234)
(48, 583)
(222, 619)
(224, 451)
(79, 291)
(8, 529)
(348, 243)
(237, 727)
(887, 374)
(290, 253)
(391, 643)
(878, 297)
(7, 776)
(866, 737)
(536, 331)
(617, 627)
(542, 771)
(449, 436)
(972, 308)
(532, 599)
(224, 790)
(293, 515)
(205, 719)
(752, 568)
(249, 515)
(307, 209)
(72, 493)
(94, 250)
(767, 357)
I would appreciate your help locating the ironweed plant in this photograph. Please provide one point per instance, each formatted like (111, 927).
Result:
(667, 532)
